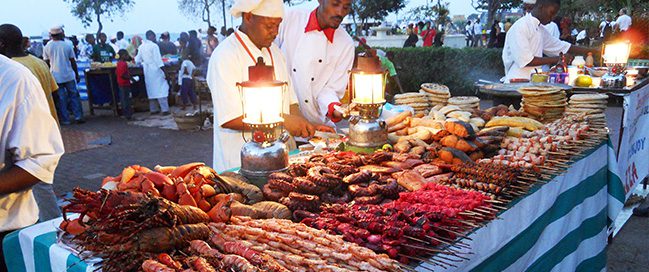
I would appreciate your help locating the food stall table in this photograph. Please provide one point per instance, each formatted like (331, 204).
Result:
(558, 226)
(561, 225)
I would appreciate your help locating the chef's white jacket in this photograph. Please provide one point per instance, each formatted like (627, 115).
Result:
(624, 22)
(527, 39)
(154, 78)
(319, 69)
(553, 29)
(29, 138)
(228, 66)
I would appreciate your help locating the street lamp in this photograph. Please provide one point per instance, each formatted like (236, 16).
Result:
(262, 98)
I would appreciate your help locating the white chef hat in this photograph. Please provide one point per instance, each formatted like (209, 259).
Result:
(530, 2)
(266, 8)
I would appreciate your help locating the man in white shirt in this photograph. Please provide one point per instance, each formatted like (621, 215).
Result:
(606, 28)
(468, 32)
(320, 55)
(113, 43)
(477, 34)
(229, 65)
(157, 88)
(121, 42)
(527, 41)
(623, 22)
(30, 146)
(553, 29)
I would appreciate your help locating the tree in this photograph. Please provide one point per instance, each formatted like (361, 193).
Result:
(204, 9)
(363, 10)
(494, 6)
(89, 10)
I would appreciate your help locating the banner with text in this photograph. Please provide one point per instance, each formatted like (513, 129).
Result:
(633, 157)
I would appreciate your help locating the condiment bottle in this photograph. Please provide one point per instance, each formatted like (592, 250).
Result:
(590, 61)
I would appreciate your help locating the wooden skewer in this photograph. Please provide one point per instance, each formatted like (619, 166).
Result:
(431, 262)
(451, 265)
(494, 201)
(468, 223)
(483, 211)
(424, 248)
(416, 239)
(454, 232)
(445, 242)
(447, 258)
(408, 268)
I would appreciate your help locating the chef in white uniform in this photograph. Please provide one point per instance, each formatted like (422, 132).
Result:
(320, 55)
(527, 41)
(157, 87)
(229, 65)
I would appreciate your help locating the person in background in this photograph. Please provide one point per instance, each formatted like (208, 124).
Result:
(477, 34)
(428, 34)
(393, 85)
(102, 52)
(36, 49)
(412, 39)
(157, 87)
(86, 48)
(26, 43)
(606, 28)
(121, 42)
(439, 39)
(527, 42)
(30, 146)
(11, 46)
(623, 21)
(493, 34)
(230, 31)
(166, 46)
(212, 40)
(194, 48)
(182, 41)
(113, 43)
(186, 83)
(59, 55)
(508, 24)
(468, 32)
(582, 38)
(136, 41)
(124, 83)
(223, 34)
(75, 44)
(566, 30)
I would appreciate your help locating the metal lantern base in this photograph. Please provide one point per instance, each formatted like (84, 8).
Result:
(369, 133)
(613, 81)
(258, 160)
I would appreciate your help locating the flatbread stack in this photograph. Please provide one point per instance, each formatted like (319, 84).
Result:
(544, 103)
(418, 101)
(437, 94)
(465, 103)
(591, 106)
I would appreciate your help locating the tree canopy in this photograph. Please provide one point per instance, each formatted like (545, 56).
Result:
(206, 10)
(90, 10)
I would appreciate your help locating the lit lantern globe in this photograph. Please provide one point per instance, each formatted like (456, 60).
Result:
(616, 53)
(262, 98)
(368, 81)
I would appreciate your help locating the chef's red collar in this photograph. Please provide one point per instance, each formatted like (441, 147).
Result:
(313, 25)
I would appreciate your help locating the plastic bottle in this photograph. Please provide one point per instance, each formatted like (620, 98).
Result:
(579, 62)
(590, 61)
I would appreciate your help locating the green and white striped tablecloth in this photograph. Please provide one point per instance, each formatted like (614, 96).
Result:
(559, 226)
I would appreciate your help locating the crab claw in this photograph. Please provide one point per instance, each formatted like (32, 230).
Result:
(221, 212)
(159, 179)
(74, 227)
(183, 170)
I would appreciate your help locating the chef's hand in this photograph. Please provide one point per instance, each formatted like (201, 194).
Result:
(569, 59)
(298, 126)
(324, 128)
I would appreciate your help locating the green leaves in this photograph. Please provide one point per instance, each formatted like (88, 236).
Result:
(89, 10)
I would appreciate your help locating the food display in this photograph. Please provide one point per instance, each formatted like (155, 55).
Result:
(449, 167)
(419, 102)
(591, 106)
(465, 103)
(437, 94)
(544, 103)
